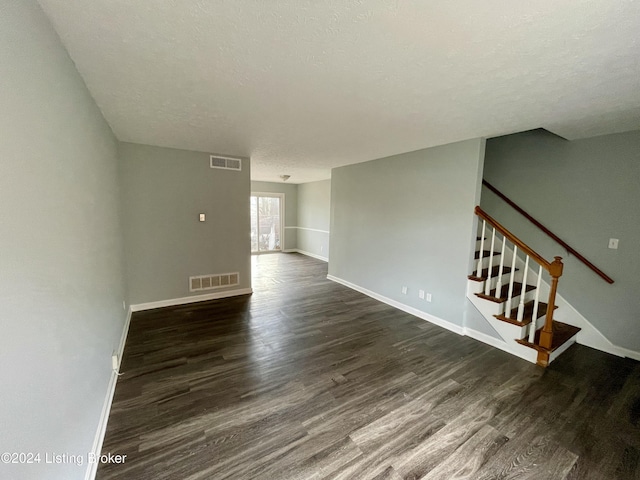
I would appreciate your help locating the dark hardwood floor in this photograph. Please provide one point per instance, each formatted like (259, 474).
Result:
(307, 379)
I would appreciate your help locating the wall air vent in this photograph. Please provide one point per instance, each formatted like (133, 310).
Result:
(225, 163)
(211, 282)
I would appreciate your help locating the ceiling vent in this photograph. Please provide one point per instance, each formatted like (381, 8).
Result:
(225, 163)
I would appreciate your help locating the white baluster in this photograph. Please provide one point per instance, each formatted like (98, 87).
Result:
(501, 267)
(479, 271)
(534, 315)
(520, 315)
(487, 287)
(510, 295)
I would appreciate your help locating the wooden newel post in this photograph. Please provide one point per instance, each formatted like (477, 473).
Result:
(546, 335)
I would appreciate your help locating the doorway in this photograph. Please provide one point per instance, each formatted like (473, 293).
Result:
(267, 214)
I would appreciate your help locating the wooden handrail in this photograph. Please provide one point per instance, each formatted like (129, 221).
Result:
(569, 249)
(554, 269)
(515, 240)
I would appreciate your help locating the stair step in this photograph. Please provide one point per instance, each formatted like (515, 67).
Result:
(528, 314)
(562, 333)
(504, 292)
(494, 273)
(485, 254)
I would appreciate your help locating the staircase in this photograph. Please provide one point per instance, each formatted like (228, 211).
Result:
(509, 288)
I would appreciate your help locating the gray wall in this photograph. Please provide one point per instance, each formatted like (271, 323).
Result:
(164, 190)
(408, 220)
(585, 191)
(61, 281)
(290, 191)
(314, 217)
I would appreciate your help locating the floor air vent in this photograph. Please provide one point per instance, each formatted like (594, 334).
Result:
(226, 163)
(210, 282)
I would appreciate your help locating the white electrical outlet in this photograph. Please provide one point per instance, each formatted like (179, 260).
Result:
(202, 217)
(421, 294)
(428, 297)
(115, 364)
(613, 243)
(404, 290)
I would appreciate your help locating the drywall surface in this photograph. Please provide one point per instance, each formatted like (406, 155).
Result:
(473, 320)
(585, 191)
(290, 191)
(165, 190)
(61, 276)
(314, 218)
(408, 220)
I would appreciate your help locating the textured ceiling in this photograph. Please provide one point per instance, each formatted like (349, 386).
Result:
(301, 86)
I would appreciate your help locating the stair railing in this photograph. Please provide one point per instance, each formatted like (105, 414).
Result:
(545, 230)
(553, 268)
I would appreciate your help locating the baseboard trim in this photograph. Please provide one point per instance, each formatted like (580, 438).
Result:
(625, 352)
(400, 306)
(308, 254)
(589, 336)
(96, 449)
(494, 342)
(481, 337)
(312, 255)
(193, 299)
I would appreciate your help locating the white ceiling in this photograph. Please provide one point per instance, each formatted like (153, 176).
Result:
(301, 86)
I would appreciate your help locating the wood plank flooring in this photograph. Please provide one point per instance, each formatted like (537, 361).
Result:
(306, 379)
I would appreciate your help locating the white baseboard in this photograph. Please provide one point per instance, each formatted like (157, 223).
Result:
(111, 389)
(400, 306)
(308, 254)
(625, 352)
(312, 255)
(517, 350)
(92, 468)
(501, 345)
(193, 299)
(96, 449)
(589, 335)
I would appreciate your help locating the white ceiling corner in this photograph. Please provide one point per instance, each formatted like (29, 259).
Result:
(302, 86)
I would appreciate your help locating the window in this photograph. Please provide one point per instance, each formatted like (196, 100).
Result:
(266, 222)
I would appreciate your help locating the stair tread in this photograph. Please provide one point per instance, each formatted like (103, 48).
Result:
(494, 273)
(562, 333)
(528, 314)
(485, 254)
(504, 292)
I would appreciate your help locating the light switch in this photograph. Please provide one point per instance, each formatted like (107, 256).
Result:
(202, 217)
(613, 243)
